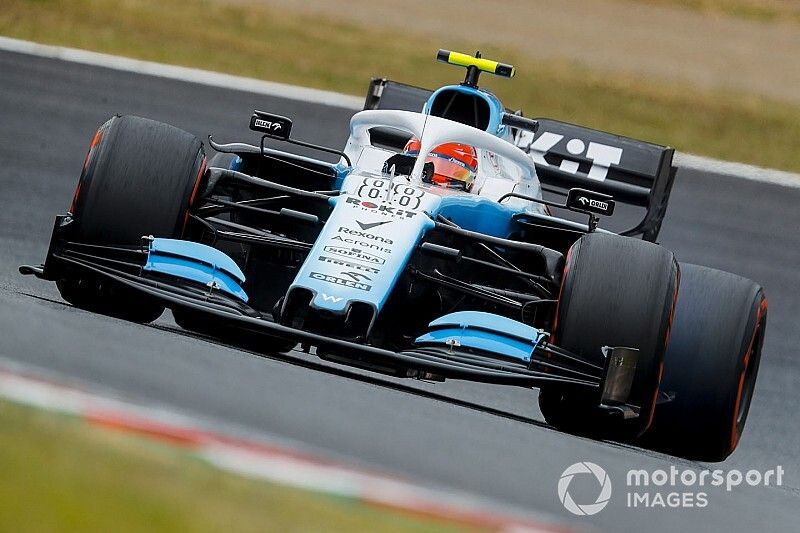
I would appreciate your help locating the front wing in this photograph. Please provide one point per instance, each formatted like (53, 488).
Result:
(547, 365)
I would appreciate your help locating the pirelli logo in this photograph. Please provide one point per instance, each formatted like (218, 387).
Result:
(348, 264)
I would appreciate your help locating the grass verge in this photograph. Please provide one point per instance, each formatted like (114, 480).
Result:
(760, 10)
(60, 474)
(252, 40)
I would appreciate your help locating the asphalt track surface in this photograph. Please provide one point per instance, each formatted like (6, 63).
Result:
(486, 440)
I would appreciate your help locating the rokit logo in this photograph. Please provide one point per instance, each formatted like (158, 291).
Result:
(348, 264)
(382, 209)
(355, 253)
(340, 281)
(601, 155)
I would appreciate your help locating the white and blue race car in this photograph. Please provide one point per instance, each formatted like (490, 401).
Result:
(428, 251)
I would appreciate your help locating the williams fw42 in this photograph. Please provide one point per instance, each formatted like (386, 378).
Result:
(427, 251)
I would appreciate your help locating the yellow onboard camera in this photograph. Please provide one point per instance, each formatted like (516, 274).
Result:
(475, 65)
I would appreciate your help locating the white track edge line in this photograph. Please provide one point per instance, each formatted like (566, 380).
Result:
(737, 170)
(191, 75)
(330, 98)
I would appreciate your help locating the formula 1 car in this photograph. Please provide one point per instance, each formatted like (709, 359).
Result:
(427, 251)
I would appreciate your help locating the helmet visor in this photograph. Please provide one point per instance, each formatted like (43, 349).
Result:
(450, 172)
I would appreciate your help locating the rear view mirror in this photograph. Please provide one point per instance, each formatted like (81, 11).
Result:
(278, 127)
(590, 202)
(271, 125)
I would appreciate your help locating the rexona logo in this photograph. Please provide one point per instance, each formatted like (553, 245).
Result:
(583, 469)
(382, 209)
(370, 242)
(340, 281)
(355, 253)
(365, 235)
(348, 264)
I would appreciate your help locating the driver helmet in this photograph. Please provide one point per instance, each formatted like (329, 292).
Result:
(450, 165)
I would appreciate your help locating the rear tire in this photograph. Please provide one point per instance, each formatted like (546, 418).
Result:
(138, 179)
(711, 365)
(616, 291)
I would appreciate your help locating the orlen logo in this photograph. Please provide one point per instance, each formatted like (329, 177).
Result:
(261, 123)
(340, 281)
(593, 203)
(602, 155)
(383, 209)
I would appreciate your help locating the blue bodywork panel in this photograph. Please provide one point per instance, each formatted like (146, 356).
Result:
(196, 262)
(360, 253)
(478, 213)
(486, 332)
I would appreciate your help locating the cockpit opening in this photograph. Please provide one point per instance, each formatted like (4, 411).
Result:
(466, 108)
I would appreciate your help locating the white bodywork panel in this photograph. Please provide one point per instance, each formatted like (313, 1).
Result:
(502, 167)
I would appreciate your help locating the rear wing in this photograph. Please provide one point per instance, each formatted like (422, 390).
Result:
(388, 94)
(633, 172)
(566, 156)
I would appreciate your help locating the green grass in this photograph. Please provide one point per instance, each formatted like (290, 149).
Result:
(253, 40)
(760, 10)
(59, 474)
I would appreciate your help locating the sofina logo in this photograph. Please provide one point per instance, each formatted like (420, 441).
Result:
(582, 469)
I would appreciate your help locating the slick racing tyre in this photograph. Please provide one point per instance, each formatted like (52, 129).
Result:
(139, 178)
(711, 365)
(616, 291)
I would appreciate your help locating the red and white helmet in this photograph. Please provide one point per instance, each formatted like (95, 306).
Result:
(454, 165)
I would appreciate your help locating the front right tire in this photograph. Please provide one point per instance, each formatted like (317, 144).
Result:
(616, 291)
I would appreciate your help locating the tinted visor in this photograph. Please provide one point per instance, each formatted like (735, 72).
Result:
(450, 172)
